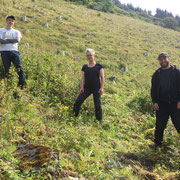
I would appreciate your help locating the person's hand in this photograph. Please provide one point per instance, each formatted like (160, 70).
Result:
(101, 91)
(156, 106)
(81, 90)
(178, 105)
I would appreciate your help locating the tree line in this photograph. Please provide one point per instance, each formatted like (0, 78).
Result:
(162, 17)
(167, 18)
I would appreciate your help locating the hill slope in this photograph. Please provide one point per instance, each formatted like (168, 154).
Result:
(41, 114)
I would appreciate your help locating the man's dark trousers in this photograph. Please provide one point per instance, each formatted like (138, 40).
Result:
(162, 115)
(13, 56)
(97, 102)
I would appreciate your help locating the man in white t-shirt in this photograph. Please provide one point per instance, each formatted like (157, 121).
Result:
(9, 39)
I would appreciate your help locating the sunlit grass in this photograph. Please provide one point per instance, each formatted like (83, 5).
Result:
(41, 114)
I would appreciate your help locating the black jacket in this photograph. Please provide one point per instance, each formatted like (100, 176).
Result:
(174, 85)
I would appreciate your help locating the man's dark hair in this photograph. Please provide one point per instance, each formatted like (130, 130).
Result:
(10, 17)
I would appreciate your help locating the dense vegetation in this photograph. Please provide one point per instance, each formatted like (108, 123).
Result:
(162, 17)
(41, 114)
(101, 5)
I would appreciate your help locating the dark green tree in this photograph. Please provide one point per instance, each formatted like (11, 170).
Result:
(170, 22)
(178, 20)
(163, 13)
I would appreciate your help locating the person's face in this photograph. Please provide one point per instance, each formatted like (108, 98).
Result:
(90, 56)
(164, 61)
(10, 22)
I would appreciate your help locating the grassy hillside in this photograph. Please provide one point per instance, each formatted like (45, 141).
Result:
(41, 114)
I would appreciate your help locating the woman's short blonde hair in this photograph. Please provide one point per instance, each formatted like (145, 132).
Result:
(91, 51)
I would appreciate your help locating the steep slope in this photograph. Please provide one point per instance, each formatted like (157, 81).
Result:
(41, 114)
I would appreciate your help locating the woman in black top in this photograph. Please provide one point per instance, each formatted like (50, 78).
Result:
(91, 84)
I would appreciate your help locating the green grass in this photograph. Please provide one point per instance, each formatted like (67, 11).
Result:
(38, 115)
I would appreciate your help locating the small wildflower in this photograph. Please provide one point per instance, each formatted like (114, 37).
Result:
(64, 107)
(31, 105)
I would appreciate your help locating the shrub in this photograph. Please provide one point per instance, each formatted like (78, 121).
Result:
(170, 22)
(141, 103)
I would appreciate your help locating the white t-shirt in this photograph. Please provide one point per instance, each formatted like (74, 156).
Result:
(9, 34)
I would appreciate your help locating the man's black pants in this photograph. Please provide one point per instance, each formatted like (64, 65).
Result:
(13, 56)
(97, 102)
(162, 115)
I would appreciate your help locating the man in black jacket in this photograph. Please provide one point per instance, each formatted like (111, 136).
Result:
(165, 94)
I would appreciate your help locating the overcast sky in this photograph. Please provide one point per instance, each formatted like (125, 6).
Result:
(170, 5)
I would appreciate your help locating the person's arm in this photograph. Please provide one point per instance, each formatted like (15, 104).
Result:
(178, 103)
(82, 83)
(8, 41)
(102, 81)
(153, 96)
(11, 41)
(2, 41)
